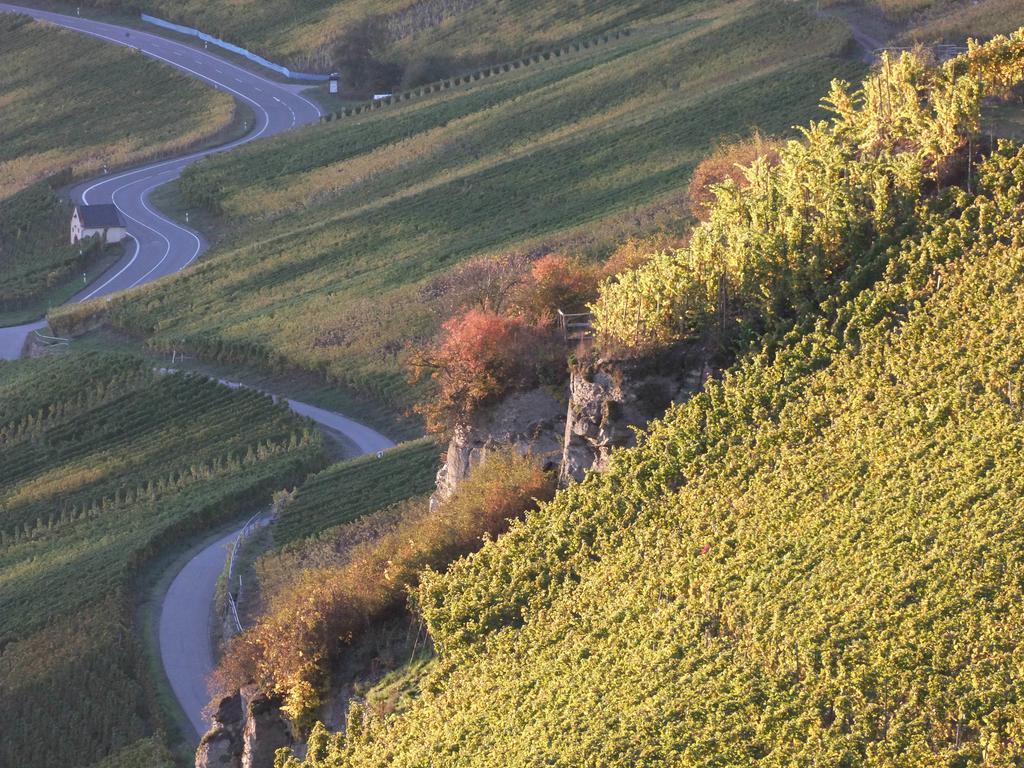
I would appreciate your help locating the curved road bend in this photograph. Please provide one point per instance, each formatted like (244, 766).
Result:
(161, 246)
(186, 651)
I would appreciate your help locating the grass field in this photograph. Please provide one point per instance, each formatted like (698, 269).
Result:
(340, 228)
(434, 35)
(71, 106)
(951, 20)
(103, 465)
(71, 102)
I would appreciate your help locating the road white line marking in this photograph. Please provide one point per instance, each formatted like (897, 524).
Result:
(155, 45)
(131, 261)
(197, 155)
(167, 250)
(138, 246)
(176, 225)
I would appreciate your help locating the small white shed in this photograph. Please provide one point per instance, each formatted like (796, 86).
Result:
(103, 221)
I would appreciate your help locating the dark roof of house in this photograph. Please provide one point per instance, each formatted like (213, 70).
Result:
(95, 216)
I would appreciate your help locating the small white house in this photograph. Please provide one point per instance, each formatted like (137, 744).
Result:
(103, 221)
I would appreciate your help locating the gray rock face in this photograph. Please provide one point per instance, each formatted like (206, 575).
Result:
(608, 400)
(266, 729)
(222, 745)
(248, 728)
(527, 422)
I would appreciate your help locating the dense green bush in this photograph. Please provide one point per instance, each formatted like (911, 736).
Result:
(816, 561)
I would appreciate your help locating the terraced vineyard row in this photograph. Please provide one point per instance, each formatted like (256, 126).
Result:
(102, 465)
(350, 490)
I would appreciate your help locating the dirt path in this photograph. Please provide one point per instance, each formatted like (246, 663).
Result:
(870, 28)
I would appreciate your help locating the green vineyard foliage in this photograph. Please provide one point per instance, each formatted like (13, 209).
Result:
(770, 244)
(104, 464)
(816, 561)
(349, 490)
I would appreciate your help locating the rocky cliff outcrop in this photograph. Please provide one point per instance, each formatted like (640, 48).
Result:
(532, 421)
(221, 746)
(248, 728)
(609, 399)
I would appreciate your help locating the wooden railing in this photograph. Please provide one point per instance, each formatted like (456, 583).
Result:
(576, 325)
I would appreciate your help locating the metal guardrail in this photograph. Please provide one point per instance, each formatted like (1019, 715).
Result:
(254, 58)
(943, 52)
(247, 529)
(55, 339)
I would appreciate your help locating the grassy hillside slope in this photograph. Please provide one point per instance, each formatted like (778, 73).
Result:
(418, 37)
(103, 464)
(952, 20)
(74, 105)
(816, 561)
(342, 229)
(307, 33)
(73, 102)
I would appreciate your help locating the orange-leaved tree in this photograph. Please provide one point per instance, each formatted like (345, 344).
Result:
(479, 357)
(555, 282)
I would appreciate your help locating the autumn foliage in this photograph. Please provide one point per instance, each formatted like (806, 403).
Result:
(480, 356)
(554, 282)
(291, 648)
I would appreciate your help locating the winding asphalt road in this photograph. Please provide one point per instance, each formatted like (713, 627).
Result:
(161, 246)
(186, 618)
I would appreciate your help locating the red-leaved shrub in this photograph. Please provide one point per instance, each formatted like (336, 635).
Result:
(480, 356)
